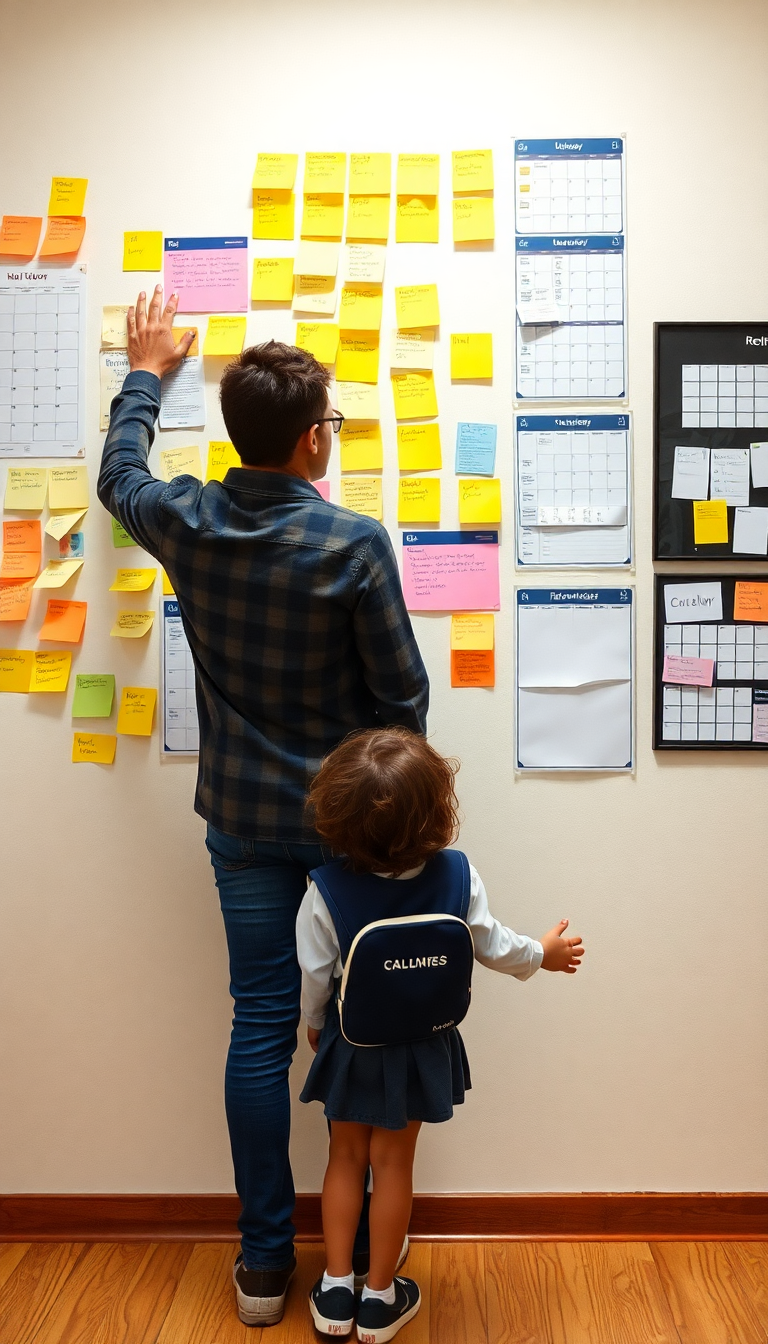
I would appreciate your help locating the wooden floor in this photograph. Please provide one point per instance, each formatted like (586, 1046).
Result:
(492, 1293)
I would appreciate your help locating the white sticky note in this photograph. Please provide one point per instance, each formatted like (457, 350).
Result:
(759, 454)
(693, 602)
(750, 532)
(316, 258)
(730, 475)
(690, 478)
(364, 263)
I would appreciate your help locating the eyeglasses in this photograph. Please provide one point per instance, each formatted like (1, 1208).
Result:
(337, 420)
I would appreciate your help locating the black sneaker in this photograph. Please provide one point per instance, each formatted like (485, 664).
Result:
(377, 1322)
(362, 1259)
(261, 1292)
(333, 1311)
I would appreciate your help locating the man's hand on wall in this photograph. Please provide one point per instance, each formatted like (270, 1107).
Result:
(151, 346)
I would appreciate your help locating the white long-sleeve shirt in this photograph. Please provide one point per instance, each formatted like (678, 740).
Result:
(496, 946)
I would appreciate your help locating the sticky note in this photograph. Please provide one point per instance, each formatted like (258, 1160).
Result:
(25, 489)
(475, 449)
(323, 489)
(59, 524)
(119, 535)
(143, 251)
(15, 599)
(750, 602)
(750, 531)
(358, 357)
(272, 280)
(314, 294)
(136, 712)
(274, 214)
(132, 624)
(418, 447)
(417, 306)
(194, 348)
(225, 336)
(68, 488)
(181, 462)
(22, 534)
(221, 456)
(19, 565)
(471, 354)
(363, 494)
(323, 215)
(276, 171)
(480, 501)
(414, 395)
(316, 258)
(114, 328)
(362, 447)
(325, 172)
(63, 236)
(95, 748)
(710, 522)
(472, 630)
(368, 218)
(167, 586)
(94, 693)
(67, 195)
(418, 499)
(473, 667)
(133, 580)
(16, 670)
(688, 671)
(417, 219)
(370, 174)
(64, 621)
(472, 169)
(473, 219)
(358, 401)
(321, 339)
(412, 349)
(364, 263)
(19, 235)
(360, 308)
(57, 573)
(50, 671)
(418, 174)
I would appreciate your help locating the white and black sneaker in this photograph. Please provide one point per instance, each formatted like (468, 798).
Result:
(333, 1311)
(361, 1261)
(261, 1292)
(378, 1322)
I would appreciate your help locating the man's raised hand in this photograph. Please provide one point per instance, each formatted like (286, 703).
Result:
(561, 954)
(151, 346)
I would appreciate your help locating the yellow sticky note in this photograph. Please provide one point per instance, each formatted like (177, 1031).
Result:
(710, 522)
(272, 280)
(362, 447)
(16, 669)
(418, 448)
(314, 294)
(67, 195)
(417, 306)
(480, 501)
(97, 748)
(277, 172)
(225, 336)
(59, 524)
(360, 308)
(181, 462)
(358, 401)
(417, 219)
(414, 395)
(418, 174)
(325, 172)
(274, 214)
(114, 329)
(133, 624)
(25, 489)
(368, 218)
(358, 358)
(136, 712)
(418, 499)
(472, 169)
(471, 354)
(323, 215)
(167, 586)
(57, 573)
(221, 456)
(370, 174)
(50, 671)
(143, 251)
(68, 488)
(363, 494)
(313, 258)
(412, 349)
(321, 339)
(133, 580)
(472, 630)
(473, 219)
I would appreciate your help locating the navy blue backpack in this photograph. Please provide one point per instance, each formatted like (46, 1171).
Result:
(406, 949)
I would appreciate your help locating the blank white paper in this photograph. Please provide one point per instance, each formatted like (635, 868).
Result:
(586, 727)
(573, 646)
(750, 532)
(759, 454)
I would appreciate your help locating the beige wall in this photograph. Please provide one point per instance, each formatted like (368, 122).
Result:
(646, 1071)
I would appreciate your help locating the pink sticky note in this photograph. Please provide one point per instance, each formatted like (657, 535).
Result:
(210, 275)
(760, 723)
(688, 671)
(451, 571)
(323, 488)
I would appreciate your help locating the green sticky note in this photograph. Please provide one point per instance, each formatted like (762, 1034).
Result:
(94, 694)
(119, 535)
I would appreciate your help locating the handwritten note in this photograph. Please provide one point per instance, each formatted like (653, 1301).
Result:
(143, 251)
(475, 448)
(690, 474)
(114, 326)
(418, 499)
(471, 354)
(113, 370)
(225, 336)
(22, 534)
(417, 306)
(418, 447)
(688, 671)
(63, 236)
(64, 621)
(360, 308)
(358, 401)
(272, 280)
(133, 580)
(730, 475)
(274, 215)
(50, 671)
(472, 169)
(16, 670)
(417, 219)
(358, 357)
(710, 522)
(321, 339)
(120, 537)
(370, 174)
(68, 488)
(181, 462)
(362, 448)
(67, 195)
(325, 172)
(221, 456)
(364, 263)
(693, 601)
(15, 599)
(473, 667)
(314, 294)
(412, 349)
(368, 218)
(136, 711)
(94, 693)
(323, 215)
(210, 275)
(133, 624)
(750, 601)
(276, 171)
(363, 495)
(473, 219)
(479, 501)
(19, 565)
(25, 489)
(472, 630)
(418, 174)
(182, 395)
(760, 722)
(59, 524)
(93, 748)
(414, 395)
(19, 236)
(450, 571)
(57, 573)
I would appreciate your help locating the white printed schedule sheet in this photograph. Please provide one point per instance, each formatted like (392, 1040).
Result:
(42, 362)
(573, 490)
(180, 732)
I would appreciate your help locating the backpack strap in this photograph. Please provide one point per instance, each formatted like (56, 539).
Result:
(466, 881)
(344, 934)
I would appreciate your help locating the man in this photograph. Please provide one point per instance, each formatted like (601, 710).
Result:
(295, 617)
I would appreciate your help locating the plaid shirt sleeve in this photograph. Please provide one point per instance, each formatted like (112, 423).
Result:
(392, 665)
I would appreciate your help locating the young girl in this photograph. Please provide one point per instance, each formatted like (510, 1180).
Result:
(385, 799)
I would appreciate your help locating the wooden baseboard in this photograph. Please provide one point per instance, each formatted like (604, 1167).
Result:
(481, 1217)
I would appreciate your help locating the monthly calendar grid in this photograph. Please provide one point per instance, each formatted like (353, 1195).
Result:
(707, 714)
(570, 361)
(181, 730)
(724, 396)
(740, 652)
(581, 195)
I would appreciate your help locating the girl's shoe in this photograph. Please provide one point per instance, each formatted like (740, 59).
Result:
(333, 1311)
(377, 1322)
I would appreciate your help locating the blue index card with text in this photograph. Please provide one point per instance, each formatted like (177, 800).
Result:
(475, 449)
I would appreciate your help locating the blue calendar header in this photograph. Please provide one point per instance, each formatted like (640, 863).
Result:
(574, 597)
(599, 242)
(450, 538)
(170, 607)
(204, 244)
(569, 147)
(542, 423)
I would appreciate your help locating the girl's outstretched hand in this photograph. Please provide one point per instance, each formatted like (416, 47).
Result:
(561, 954)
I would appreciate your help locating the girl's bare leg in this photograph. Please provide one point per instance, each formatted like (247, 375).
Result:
(391, 1158)
(343, 1192)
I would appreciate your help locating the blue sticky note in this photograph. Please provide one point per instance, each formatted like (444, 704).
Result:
(475, 449)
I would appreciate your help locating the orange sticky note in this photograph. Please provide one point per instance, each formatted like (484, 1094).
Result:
(19, 235)
(20, 565)
(473, 667)
(63, 235)
(15, 599)
(64, 621)
(22, 534)
(750, 602)
(136, 711)
(178, 332)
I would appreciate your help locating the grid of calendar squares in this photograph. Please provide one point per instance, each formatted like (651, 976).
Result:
(740, 652)
(38, 367)
(181, 724)
(727, 395)
(569, 195)
(707, 714)
(587, 287)
(570, 361)
(564, 468)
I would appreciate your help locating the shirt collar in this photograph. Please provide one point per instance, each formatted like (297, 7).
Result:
(276, 483)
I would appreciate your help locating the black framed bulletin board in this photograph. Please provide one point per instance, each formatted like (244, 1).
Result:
(710, 441)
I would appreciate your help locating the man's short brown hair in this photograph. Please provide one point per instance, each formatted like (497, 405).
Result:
(270, 395)
(386, 799)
